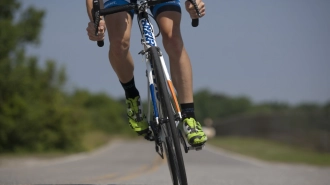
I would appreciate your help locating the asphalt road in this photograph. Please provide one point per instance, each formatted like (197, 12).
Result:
(136, 163)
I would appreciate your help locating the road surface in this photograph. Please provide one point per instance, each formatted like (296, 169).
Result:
(136, 163)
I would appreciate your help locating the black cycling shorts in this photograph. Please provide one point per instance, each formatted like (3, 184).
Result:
(155, 10)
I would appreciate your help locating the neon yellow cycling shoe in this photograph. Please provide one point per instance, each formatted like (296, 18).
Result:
(136, 119)
(194, 132)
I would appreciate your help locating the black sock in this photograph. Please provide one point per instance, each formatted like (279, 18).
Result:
(130, 89)
(188, 110)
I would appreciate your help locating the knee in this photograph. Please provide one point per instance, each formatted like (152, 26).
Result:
(119, 47)
(173, 44)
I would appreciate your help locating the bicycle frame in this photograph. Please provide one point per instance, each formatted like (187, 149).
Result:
(148, 40)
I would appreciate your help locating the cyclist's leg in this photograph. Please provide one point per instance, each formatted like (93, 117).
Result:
(169, 18)
(119, 31)
(181, 71)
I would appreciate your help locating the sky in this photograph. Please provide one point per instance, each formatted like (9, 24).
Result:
(266, 50)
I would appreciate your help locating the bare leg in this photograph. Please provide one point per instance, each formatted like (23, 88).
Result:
(119, 30)
(181, 70)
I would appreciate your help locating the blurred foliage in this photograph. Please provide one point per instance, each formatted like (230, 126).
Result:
(219, 106)
(306, 125)
(215, 105)
(103, 112)
(35, 112)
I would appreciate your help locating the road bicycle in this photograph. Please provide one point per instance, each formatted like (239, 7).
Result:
(164, 114)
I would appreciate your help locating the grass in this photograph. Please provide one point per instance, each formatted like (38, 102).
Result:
(271, 151)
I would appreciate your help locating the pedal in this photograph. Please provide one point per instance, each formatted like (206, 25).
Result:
(149, 136)
(197, 148)
(159, 150)
(155, 136)
(187, 148)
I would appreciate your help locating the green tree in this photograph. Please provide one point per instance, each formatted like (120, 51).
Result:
(17, 33)
(103, 112)
(215, 105)
(34, 115)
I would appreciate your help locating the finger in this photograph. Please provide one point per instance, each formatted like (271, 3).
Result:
(198, 1)
(93, 37)
(193, 14)
(202, 12)
(102, 22)
(201, 5)
(203, 9)
(188, 5)
(100, 38)
(101, 29)
(90, 27)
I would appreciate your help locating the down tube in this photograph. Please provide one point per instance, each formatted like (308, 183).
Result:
(152, 90)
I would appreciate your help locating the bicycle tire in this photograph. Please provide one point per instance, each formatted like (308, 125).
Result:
(171, 161)
(167, 108)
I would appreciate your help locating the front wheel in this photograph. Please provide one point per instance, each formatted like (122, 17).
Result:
(168, 115)
(171, 160)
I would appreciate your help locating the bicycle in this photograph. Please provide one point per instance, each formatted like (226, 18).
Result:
(164, 114)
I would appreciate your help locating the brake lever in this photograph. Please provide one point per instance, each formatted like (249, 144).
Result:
(195, 22)
(96, 19)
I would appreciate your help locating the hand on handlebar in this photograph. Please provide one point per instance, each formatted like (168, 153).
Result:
(91, 31)
(191, 10)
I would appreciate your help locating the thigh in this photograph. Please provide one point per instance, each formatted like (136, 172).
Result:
(168, 15)
(169, 24)
(112, 3)
(173, 6)
(119, 24)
